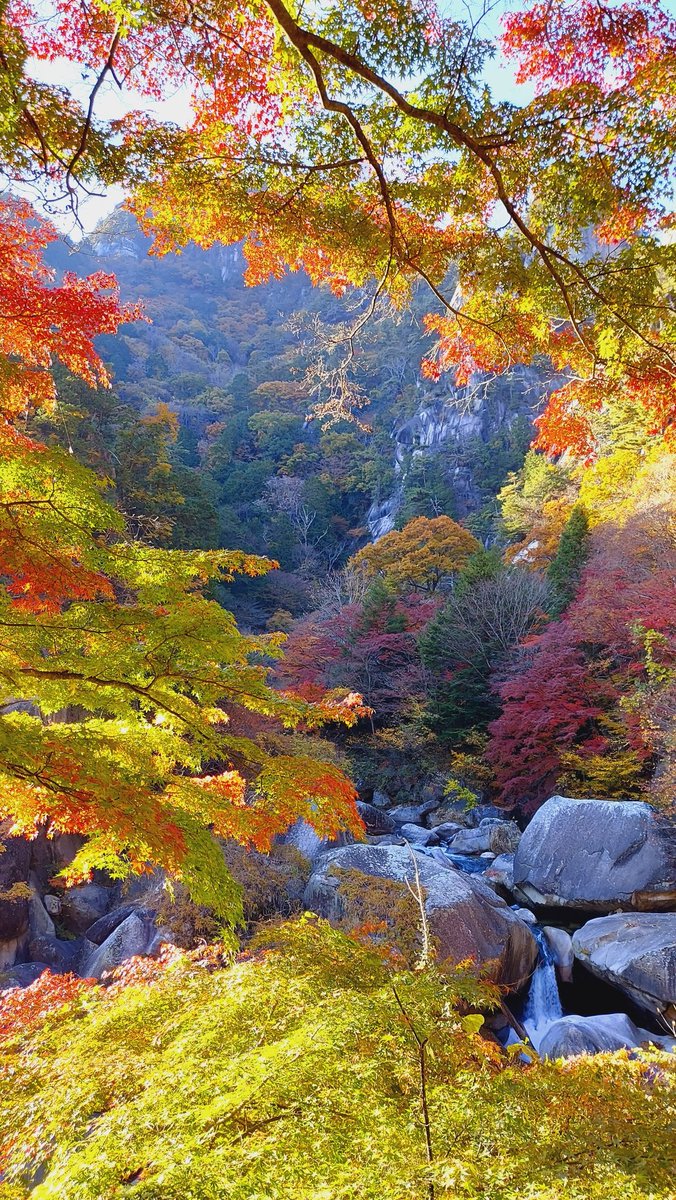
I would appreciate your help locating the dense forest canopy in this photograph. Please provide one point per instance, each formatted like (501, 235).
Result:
(365, 148)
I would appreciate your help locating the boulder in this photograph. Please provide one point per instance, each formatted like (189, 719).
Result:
(471, 841)
(83, 905)
(161, 937)
(303, 837)
(446, 831)
(503, 836)
(133, 936)
(101, 929)
(574, 1035)
(418, 835)
(500, 873)
(450, 810)
(61, 956)
(561, 946)
(380, 799)
(525, 914)
(14, 870)
(466, 918)
(635, 952)
(21, 975)
(412, 814)
(375, 819)
(39, 920)
(481, 812)
(599, 855)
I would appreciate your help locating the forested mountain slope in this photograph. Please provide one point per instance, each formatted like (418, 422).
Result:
(207, 435)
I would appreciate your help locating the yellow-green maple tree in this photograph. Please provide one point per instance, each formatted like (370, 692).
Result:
(419, 556)
(116, 667)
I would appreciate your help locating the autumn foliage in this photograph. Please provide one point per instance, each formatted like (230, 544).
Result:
(42, 320)
(421, 555)
(329, 140)
(114, 661)
(577, 704)
(294, 1068)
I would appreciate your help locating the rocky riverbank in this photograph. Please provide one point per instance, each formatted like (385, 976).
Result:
(582, 901)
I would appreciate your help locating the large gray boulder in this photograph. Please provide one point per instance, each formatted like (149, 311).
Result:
(635, 952)
(133, 936)
(307, 842)
(81, 906)
(471, 841)
(60, 955)
(419, 836)
(599, 855)
(574, 1035)
(104, 926)
(466, 918)
(413, 814)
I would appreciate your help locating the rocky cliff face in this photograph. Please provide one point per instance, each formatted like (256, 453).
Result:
(444, 427)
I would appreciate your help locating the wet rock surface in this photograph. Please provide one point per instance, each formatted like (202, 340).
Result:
(572, 1035)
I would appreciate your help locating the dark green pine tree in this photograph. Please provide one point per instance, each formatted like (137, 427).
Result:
(566, 566)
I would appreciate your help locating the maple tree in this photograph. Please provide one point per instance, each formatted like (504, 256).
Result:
(568, 716)
(315, 1085)
(114, 663)
(420, 556)
(362, 145)
(370, 646)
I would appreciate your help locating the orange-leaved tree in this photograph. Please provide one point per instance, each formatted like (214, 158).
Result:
(115, 665)
(364, 144)
(427, 551)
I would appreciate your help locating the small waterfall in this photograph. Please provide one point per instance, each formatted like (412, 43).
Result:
(543, 1004)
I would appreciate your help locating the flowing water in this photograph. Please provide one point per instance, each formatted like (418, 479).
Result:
(469, 863)
(543, 1003)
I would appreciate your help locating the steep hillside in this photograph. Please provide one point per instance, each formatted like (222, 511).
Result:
(208, 440)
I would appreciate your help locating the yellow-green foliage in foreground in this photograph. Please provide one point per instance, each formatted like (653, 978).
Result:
(294, 1074)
